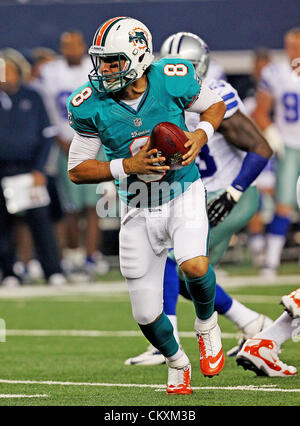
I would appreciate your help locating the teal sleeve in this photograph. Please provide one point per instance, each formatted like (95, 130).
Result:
(182, 81)
(80, 121)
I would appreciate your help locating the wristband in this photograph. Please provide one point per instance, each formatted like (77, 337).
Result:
(117, 169)
(235, 193)
(207, 127)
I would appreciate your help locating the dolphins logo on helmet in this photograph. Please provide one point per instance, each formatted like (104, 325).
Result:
(139, 39)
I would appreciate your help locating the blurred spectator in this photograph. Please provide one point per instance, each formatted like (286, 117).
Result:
(39, 56)
(59, 78)
(279, 89)
(25, 140)
(266, 180)
(261, 58)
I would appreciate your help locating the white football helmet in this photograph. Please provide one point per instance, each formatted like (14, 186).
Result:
(188, 46)
(120, 38)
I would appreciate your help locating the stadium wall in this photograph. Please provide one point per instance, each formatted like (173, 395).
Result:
(224, 24)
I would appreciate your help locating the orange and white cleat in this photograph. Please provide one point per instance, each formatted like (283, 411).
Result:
(261, 356)
(291, 303)
(179, 376)
(212, 358)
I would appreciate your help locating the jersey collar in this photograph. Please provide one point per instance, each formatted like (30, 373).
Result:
(142, 101)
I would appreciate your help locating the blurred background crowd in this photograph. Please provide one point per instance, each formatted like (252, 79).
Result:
(59, 237)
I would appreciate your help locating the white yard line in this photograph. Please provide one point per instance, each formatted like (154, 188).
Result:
(97, 333)
(271, 388)
(23, 396)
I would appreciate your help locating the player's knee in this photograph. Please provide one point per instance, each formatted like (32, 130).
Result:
(284, 209)
(146, 306)
(145, 316)
(196, 267)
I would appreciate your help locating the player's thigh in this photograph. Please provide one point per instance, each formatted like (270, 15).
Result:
(143, 270)
(239, 216)
(287, 172)
(188, 225)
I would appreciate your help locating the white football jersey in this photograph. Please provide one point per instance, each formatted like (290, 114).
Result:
(279, 80)
(58, 81)
(219, 162)
(215, 72)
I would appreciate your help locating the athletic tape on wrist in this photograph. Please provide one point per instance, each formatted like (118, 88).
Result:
(207, 127)
(117, 169)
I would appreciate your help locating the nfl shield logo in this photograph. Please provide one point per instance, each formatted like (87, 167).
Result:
(138, 122)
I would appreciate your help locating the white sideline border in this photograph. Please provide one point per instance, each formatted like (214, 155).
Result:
(158, 388)
(120, 287)
(98, 333)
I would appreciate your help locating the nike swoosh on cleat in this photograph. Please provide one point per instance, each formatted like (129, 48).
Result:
(214, 365)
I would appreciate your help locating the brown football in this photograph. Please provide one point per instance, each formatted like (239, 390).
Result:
(169, 140)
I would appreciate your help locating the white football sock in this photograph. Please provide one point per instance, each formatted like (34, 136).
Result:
(173, 319)
(177, 355)
(257, 243)
(274, 248)
(280, 331)
(240, 315)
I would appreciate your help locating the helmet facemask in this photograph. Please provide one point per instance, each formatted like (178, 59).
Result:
(111, 82)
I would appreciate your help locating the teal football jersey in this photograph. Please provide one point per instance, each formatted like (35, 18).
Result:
(172, 87)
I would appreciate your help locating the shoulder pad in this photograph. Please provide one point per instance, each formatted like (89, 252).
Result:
(178, 75)
(79, 102)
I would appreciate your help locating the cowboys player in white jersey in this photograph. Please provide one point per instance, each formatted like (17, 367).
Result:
(279, 89)
(228, 173)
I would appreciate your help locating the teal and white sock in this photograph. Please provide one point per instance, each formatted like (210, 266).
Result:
(203, 292)
(160, 335)
(173, 320)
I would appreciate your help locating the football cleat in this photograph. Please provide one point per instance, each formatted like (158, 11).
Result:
(151, 357)
(251, 330)
(179, 376)
(10, 282)
(291, 303)
(261, 356)
(212, 358)
(269, 274)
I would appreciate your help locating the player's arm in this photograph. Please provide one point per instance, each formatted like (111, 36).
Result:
(241, 132)
(84, 168)
(212, 109)
(262, 116)
(82, 164)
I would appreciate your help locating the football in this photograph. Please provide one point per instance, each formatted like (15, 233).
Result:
(169, 140)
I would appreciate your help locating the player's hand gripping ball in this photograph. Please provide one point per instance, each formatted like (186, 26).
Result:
(169, 140)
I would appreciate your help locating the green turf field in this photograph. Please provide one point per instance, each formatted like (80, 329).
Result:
(70, 349)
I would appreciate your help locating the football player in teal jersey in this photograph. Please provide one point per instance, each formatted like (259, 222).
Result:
(128, 94)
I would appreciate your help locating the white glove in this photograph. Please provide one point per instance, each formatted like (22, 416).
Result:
(275, 140)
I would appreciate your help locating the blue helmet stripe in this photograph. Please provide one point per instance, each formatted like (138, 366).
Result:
(179, 43)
